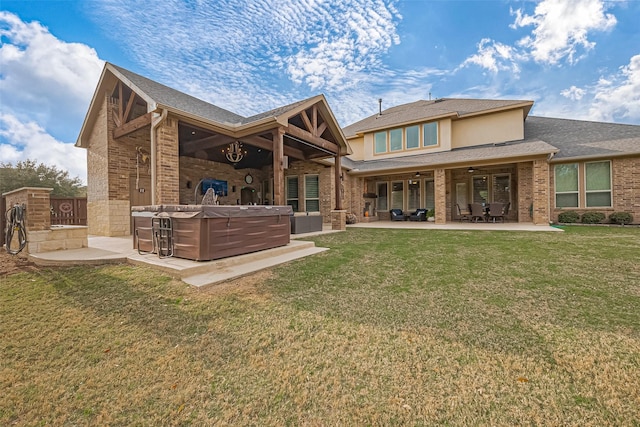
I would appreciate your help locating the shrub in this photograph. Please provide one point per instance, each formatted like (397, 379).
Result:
(593, 217)
(431, 212)
(569, 217)
(621, 218)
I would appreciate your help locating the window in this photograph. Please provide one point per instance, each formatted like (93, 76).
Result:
(395, 139)
(566, 179)
(380, 142)
(598, 184)
(397, 195)
(292, 192)
(413, 136)
(413, 201)
(311, 193)
(430, 134)
(382, 196)
(429, 194)
(501, 193)
(480, 189)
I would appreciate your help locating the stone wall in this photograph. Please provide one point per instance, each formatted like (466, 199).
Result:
(41, 236)
(112, 167)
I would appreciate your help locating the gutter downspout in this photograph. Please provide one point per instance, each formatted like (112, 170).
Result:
(551, 190)
(155, 122)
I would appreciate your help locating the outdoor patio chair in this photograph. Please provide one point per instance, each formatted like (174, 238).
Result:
(418, 215)
(463, 215)
(477, 212)
(396, 215)
(496, 211)
(505, 211)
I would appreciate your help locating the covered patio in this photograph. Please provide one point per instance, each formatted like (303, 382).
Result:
(516, 174)
(164, 147)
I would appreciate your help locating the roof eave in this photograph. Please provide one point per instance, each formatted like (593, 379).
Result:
(526, 106)
(593, 157)
(361, 133)
(487, 161)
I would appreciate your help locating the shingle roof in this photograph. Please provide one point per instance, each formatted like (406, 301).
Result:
(175, 99)
(577, 138)
(425, 110)
(460, 155)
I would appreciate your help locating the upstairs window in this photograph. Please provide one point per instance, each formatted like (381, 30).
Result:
(413, 136)
(430, 131)
(380, 142)
(395, 139)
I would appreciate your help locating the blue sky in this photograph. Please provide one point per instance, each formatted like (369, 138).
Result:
(576, 59)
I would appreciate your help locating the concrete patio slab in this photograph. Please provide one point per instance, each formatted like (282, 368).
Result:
(468, 226)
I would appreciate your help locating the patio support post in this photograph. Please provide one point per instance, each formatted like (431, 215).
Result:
(338, 181)
(278, 167)
(440, 177)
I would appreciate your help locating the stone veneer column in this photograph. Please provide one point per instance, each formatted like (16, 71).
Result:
(167, 163)
(37, 206)
(540, 192)
(440, 195)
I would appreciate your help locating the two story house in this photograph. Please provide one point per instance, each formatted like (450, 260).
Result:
(444, 153)
(148, 143)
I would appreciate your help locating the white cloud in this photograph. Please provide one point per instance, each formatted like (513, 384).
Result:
(495, 56)
(42, 75)
(560, 32)
(573, 93)
(30, 141)
(219, 50)
(617, 97)
(45, 87)
(562, 27)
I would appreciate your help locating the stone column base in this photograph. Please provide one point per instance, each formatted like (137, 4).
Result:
(339, 220)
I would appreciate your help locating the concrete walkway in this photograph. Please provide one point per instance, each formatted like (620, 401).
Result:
(105, 250)
(485, 226)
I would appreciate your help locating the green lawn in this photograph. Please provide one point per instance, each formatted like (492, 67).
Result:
(389, 327)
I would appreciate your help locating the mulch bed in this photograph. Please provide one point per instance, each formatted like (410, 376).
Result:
(12, 264)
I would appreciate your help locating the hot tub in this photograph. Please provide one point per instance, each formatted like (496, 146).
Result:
(203, 233)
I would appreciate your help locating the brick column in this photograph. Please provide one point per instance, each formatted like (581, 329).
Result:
(540, 192)
(525, 191)
(338, 220)
(440, 184)
(167, 163)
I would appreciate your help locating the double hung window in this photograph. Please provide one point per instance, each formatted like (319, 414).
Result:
(292, 192)
(311, 193)
(598, 184)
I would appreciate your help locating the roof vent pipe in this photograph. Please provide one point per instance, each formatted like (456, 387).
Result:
(379, 106)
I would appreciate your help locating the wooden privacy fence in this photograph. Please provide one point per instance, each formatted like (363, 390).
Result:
(68, 210)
